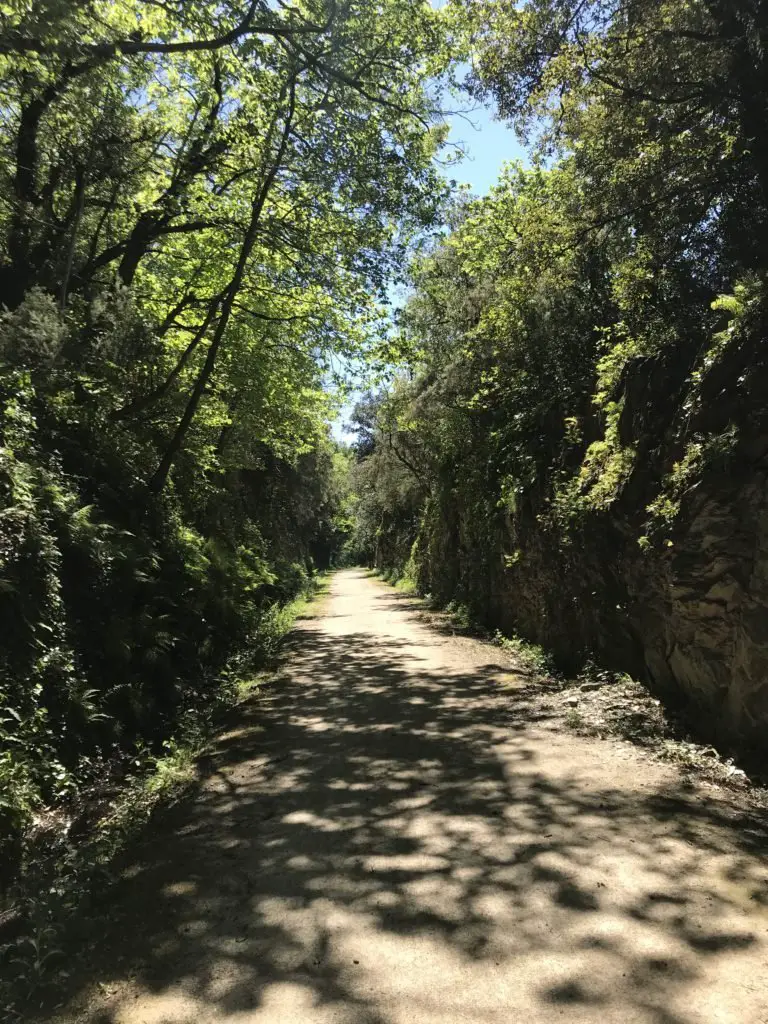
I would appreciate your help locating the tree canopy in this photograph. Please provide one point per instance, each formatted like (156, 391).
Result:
(202, 206)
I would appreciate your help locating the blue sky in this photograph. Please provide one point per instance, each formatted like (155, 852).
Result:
(488, 144)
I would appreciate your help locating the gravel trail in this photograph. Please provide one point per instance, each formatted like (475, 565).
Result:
(396, 832)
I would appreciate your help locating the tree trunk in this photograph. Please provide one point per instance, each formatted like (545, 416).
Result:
(160, 477)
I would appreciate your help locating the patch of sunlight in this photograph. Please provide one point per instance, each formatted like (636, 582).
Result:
(180, 888)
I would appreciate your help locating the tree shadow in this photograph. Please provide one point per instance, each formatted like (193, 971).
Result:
(374, 818)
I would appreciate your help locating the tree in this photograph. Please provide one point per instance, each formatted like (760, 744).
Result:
(587, 351)
(662, 104)
(275, 154)
(203, 204)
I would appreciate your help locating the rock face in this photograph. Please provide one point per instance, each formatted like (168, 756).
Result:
(689, 616)
(682, 606)
(710, 642)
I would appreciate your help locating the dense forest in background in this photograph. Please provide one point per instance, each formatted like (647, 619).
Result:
(201, 205)
(578, 449)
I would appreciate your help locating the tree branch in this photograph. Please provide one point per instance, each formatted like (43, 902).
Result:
(160, 476)
(107, 50)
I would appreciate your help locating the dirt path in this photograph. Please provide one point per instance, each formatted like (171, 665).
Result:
(396, 835)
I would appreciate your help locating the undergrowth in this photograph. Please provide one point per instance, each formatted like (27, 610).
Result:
(70, 848)
(604, 704)
(533, 658)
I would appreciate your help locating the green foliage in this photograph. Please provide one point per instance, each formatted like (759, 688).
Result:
(123, 611)
(530, 656)
(203, 208)
(585, 347)
(702, 455)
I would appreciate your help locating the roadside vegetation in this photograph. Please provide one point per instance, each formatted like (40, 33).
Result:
(202, 208)
(575, 448)
(71, 851)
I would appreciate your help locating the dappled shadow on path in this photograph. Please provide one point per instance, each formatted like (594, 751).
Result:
(382, 840)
